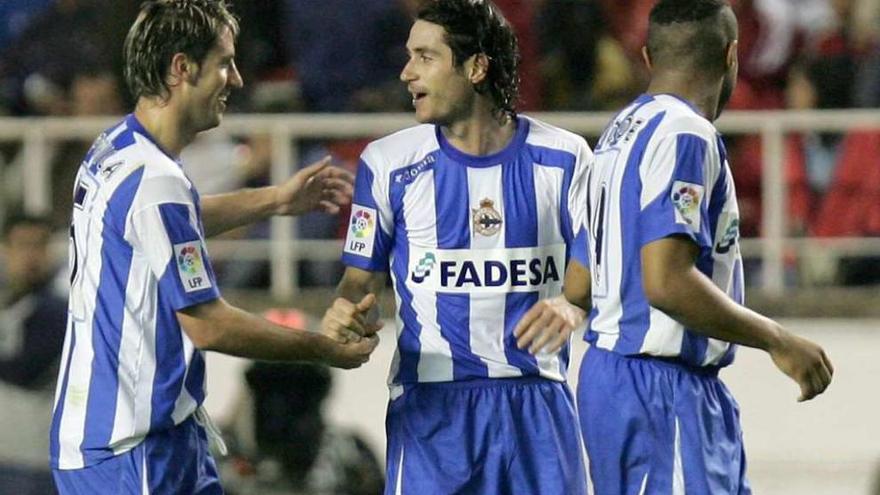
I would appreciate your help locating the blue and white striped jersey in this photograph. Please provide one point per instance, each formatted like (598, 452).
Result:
(137, 255)
(661, 170)
(471, 243)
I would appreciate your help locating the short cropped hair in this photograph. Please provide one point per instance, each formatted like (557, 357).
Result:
(164, 28)
(690, 31)
(477, 26)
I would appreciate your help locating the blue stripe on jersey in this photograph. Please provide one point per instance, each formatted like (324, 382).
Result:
(694, 345)
(408, 344)
(453, 232)
(549, 157)
(55, 428)
(116, 257)
(520, 230)
(170, 363)
(195, 378)
(690, 165)
(636, 311)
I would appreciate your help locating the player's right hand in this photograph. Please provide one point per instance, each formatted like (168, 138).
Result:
(804, 362)
(348, 355)
(346, 321)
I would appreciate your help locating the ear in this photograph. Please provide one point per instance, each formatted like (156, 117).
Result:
(479, 69)
(732, 57)
(646, 57)
(182, 69)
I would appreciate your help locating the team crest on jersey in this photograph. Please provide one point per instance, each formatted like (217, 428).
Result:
(686, 197)
(191, 267)
(487, 220)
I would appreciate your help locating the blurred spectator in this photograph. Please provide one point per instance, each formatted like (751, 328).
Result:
(569, 34)
(32, 325)
(867, 90)
(341, 50)
(38, 68)
(285, 446)
(15, 15)
(773, 34)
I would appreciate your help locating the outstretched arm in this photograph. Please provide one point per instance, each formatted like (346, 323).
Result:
(319, 186)
(673, 285)
(218, 326)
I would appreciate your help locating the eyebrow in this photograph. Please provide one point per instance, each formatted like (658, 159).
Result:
(420, 50)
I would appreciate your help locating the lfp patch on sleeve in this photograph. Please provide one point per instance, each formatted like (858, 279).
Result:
(361, 231)
(191, 266)
(686, 197)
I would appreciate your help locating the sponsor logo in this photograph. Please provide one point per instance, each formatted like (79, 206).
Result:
(686, 198)
(191, 267)
(729, 237)
(423, 268)
(487, 220)
(409, 174)
(488, 270)
(361, 231)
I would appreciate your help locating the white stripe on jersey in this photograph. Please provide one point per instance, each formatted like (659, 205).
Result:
(548, 193)
(436, 358)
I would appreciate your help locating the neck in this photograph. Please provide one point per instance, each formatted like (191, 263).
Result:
(165, 124)
(700, 93)
(481, 133)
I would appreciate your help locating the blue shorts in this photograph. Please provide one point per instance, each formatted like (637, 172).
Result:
(655, 426)
(488, 436)
(171, 462)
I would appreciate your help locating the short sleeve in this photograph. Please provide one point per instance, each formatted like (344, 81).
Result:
(369, 234)
(675, 182)
(577, 193)
(167, 234)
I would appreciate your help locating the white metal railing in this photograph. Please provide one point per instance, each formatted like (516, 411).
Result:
(284, 251)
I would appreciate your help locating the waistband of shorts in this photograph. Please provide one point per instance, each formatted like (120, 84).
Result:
(478, 383)
(664, 361)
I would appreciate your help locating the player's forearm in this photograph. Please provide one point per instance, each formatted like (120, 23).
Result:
(223, 212)
(223, 328)
(355, 288)
(692, 299)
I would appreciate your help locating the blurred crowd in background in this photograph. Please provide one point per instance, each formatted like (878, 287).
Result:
(64, 58)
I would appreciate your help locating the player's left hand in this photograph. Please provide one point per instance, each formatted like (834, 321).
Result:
(547, 325)
(319, 186)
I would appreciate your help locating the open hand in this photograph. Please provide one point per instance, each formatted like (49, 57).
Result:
(319, 186)
(547, 325)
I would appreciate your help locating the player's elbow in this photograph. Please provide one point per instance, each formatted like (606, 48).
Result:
(658, 292)
(201, 326)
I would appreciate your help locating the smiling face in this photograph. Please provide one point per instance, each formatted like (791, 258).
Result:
(209, 89)
(442, 93)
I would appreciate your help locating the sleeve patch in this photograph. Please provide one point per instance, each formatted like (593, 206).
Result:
(687, 196)
(361, 231)
(191, 266)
